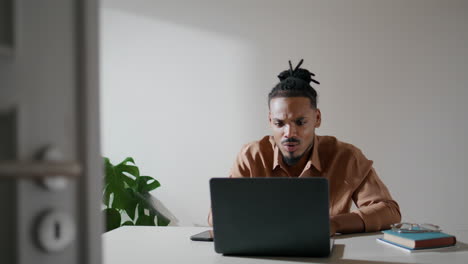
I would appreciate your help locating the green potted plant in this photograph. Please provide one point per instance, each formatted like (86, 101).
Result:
(126, 192)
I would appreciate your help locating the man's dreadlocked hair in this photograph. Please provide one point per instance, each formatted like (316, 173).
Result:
(295, 83)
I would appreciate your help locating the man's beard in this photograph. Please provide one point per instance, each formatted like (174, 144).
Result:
(291, 160)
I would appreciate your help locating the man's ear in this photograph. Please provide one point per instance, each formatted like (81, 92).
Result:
(318, 118)
(269, 117)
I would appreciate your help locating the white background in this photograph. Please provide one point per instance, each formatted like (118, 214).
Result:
(184, 86)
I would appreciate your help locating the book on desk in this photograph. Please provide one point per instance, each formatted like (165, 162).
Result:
(417, 242)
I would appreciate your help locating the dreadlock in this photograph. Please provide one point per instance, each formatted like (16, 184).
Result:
(295, 83)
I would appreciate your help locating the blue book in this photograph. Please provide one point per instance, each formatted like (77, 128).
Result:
(419, 240)
(413, 250)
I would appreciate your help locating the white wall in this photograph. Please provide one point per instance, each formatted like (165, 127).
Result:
(184, 85)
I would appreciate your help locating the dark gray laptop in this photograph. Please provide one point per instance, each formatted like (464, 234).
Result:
(271, 216)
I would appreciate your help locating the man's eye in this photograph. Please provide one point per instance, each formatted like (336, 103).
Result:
(300, 123)
(278, 124)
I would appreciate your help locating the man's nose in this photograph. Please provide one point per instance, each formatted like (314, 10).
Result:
(289, 131)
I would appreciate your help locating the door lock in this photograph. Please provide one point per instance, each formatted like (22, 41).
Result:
(55, 231)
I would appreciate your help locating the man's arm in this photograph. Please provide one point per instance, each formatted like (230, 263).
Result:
(346, 223)
(376, 208)
(210, 219)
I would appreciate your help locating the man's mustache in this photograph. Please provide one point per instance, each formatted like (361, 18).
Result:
(290, 140)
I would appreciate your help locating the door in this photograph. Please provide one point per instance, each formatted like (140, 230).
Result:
(50, 166)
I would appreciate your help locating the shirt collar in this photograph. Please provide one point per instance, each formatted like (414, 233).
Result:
(314, 160)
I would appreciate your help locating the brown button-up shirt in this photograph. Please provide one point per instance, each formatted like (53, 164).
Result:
(350, 174)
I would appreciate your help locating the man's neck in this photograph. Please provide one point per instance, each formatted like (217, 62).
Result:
(296, 169)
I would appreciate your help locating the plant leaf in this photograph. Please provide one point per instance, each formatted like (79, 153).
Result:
(126, 191)
(141, 209)
(145, 202)
(146, 184)
(126, 160)
(145, 220)
(133, 170)
(106, 196)
(131, 205)
(112, 217)
(128, 223)
(123, 198)
(129, 181)
(162, 220)
(130, 169)
(113, 180)
(110, 175)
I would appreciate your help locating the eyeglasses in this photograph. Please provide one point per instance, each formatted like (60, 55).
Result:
(414, 228)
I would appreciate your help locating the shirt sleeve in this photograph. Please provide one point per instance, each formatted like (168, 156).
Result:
(242, 164)
(375, 205)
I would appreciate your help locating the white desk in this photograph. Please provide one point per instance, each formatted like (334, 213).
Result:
(164, 245)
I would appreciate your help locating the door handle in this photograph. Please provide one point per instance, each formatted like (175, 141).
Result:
(39, 169)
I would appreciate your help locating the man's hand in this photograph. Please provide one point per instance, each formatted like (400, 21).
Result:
(346, 224)
(210, 218)
(333, 227)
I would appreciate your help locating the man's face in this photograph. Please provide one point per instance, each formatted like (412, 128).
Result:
(293, 121)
